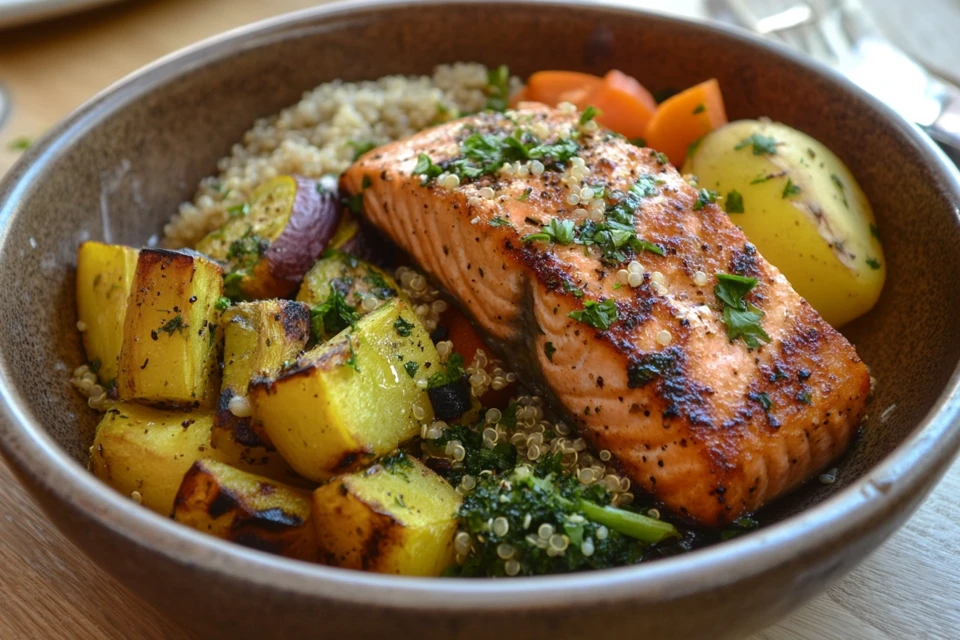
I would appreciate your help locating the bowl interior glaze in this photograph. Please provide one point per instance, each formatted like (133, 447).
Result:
(117, 169)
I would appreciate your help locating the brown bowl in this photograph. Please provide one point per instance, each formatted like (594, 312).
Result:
(117, 168)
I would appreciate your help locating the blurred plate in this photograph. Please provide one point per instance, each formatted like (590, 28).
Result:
(16, 12)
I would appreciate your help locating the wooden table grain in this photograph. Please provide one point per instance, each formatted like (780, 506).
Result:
(910, 588)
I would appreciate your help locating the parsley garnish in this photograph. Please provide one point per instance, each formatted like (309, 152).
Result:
(360, 148)
(692, 148)
(661, 158)
(20, 144)
(549, 350)
(453, 371)
(638, 142)
(761, 144)
(176, 324)
(700, 108)
(648, 368)
(790, 189)
(497, 221)
(588, 114)
(733, 203)
(411, 368)
(557, 230)
(804, 397)
(599, 315)
(616, 237)
(332, 316)
(576, 291)
(426, 168)
(763, 400)
(874, 231)
(223, 304)
(498, 88)
(741, 317)
(238, 210)
(873, 263)
(352, 360)
(839, 184)
(402, 327)
(526, 194)
(247, 249)
(705, 197)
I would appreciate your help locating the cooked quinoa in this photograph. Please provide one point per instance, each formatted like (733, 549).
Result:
(321, 134)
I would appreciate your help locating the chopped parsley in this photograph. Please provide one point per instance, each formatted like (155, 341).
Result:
(360, 148)
(588, 114)
(790, 189)
(692, 148)
(557, 230)
(648, 368)
(874, 231)
(332, 316)
(411, 368)
(238, 210)
(638, 142)
(246, 251)
(549, 350)
(525, 195)
(733, 203)
(426, 168)
(380, 288)
(20, 144)
(762, 145)
(873, 263)
(497, 221)
(661, 157)
(175, 324)
(223, 304)
(763, 400)
(402, 327)
(616, 236)
(233, 285)
(453, 372)
(352, 360)
(599, 315)
(740, 526)
(705, 197)
(741, 317)
(839, 184)
(700, 108)
(498, 88)
(804, 397)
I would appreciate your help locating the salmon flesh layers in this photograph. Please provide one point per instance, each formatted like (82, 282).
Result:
(710, 427)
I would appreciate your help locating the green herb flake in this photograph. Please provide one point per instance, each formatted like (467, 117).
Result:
(20, 144)
(692, 148)
(741, 318)
(525, 195)
(549, 350)
(557, 230)
(453, 371)
(360, 148)
(705, 197)
(733, 203)
(332, 316)
(874, 231)
(763, 400)
(223, 304)
(498, 88)
(661, 158)
(175, 324)
(94, 366)
(402, 327)
(352, 360)
(638, 142)
(790, 189)
(761, 144)
(426, 169)
(804, 397)
(838, 183)
(599, 315)
(497, 221)
(700, 108)
(873, 263)
(588, 114)
(411, 368)
(238, 210)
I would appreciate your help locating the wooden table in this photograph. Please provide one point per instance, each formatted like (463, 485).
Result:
(910, 588)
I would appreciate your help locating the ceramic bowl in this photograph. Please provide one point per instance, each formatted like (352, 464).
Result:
(117, 168)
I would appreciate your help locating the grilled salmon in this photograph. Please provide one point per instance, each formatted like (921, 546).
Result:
(628, 298)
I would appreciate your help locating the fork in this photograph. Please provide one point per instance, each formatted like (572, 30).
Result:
(842, 34)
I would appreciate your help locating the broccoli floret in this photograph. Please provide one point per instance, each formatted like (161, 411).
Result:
(583, 532)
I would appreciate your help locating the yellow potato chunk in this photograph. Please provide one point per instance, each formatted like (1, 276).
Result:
(143, 452)
(353, 398)
(170, 338)
(802, 208)
(104, 277)
(247, 509)
(395, 517)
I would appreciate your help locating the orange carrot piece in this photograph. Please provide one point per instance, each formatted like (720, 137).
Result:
(466, 341)
(553, 87)
(631, 85)
(621, 111)
(684, 118)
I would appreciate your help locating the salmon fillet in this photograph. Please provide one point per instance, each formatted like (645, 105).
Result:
(711, 427)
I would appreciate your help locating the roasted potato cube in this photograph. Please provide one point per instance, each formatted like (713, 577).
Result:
(104, 277)
(352, 398)
(268, 244)
(143, 452)
(395, 517)
(258, 339)
(169, 354)
(247, 509)
(341, 279)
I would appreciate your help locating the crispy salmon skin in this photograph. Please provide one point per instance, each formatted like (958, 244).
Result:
(714, 423)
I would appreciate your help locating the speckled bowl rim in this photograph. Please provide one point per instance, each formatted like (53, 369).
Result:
(897, 480)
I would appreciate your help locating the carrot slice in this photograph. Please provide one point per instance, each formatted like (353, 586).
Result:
(629, 84)
(622, 111)
(553, 87)
(684, 118)
(466, 341)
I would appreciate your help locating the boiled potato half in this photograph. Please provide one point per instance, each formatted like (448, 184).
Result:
(802, 208)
